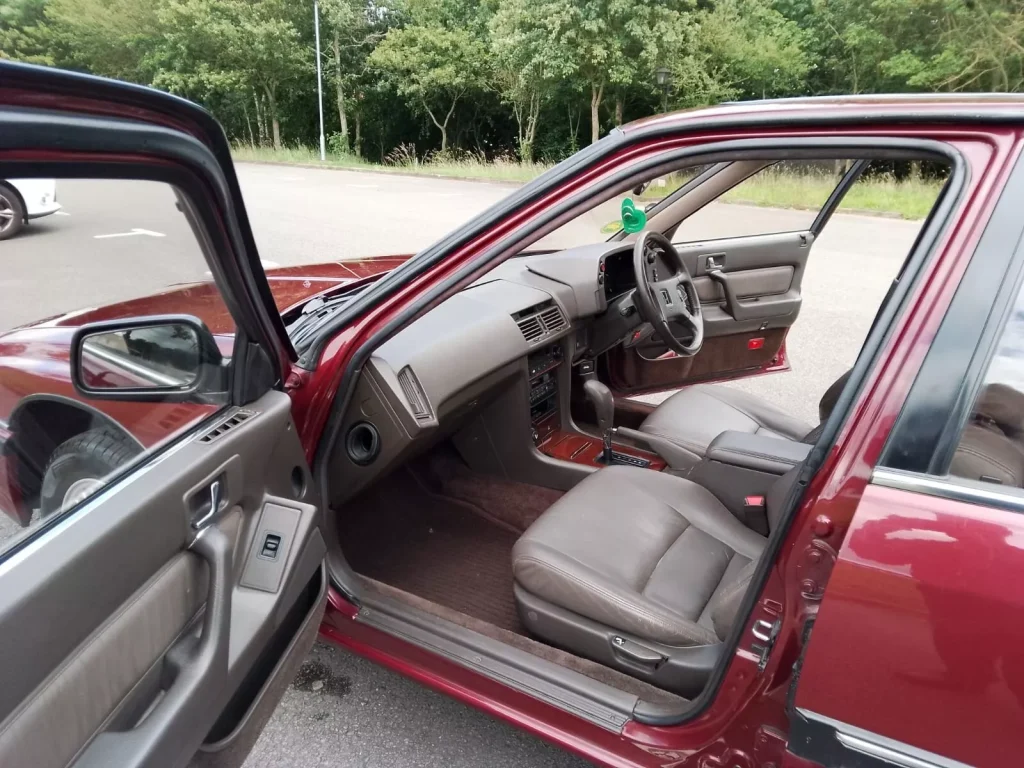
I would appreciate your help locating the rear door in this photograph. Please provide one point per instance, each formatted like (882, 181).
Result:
(748, 264)
(165, 575)
(914, 656)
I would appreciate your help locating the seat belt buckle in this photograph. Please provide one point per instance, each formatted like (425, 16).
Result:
(754, 502)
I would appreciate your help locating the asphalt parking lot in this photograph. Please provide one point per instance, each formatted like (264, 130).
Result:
(115, 242)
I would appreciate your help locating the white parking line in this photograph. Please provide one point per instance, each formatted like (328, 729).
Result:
(135, 231)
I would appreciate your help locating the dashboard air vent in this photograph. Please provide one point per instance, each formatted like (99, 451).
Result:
(227, 425)
(532, 328)
(553, 319)
(414, 394)
(540, 322)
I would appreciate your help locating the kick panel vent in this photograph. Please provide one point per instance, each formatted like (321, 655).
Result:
(541, 322)
(232, 421)
(414, 394)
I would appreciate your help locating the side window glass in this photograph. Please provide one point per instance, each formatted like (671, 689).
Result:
(784, 197)
(991, 446)
(115, 265)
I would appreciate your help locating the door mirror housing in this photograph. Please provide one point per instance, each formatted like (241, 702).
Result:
(167, 358)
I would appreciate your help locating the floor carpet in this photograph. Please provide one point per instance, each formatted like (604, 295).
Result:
(439, 548)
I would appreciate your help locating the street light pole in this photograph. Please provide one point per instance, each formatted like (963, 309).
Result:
(319, 79)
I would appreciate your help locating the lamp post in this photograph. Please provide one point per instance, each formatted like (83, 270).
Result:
(319, 79)
(663, 77)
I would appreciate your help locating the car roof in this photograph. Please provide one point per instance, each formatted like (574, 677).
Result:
(859, 108)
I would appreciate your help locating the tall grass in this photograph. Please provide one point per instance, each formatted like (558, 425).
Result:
(907, 198)
(910, 198)
(402, 160)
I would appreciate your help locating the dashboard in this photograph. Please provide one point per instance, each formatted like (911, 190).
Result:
(524, 304)
(526, 320)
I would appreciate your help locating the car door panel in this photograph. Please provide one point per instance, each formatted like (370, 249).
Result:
(115, 624)
(743, 333)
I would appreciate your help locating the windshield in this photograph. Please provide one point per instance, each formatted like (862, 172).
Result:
(604, 221)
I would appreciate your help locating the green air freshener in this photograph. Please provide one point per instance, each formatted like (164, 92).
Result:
(633, 219)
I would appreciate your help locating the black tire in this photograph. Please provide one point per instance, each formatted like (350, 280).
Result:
(91, 455)
(12, 212)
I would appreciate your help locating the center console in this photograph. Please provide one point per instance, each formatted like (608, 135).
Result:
(546, 420)
(739, 468)
(545, 417)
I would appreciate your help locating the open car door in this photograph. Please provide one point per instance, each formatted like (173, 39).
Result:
(157, 617)
(747, 266)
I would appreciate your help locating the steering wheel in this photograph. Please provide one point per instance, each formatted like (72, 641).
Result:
(669, 298)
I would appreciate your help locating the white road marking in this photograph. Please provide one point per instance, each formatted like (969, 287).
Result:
(135, 231)
(363, 186)
(290, 178)
(61, 213)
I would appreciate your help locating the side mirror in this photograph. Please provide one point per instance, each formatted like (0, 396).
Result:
(168, 358)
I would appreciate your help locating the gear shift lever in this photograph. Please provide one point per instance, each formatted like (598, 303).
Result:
(604, 404)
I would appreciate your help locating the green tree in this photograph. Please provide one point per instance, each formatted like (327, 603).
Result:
(521, 68)
(354, 27)
(433, 66)
(739, 49)
(210, 47)
(105, 37)
(24, 35)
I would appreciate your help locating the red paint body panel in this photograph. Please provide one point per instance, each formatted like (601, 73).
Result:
(925, 608)
(34, 359)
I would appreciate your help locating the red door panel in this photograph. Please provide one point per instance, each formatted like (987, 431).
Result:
(650, 368)
(920, 637)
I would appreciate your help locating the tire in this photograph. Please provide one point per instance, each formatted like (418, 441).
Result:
(12, 213)
(90, 456)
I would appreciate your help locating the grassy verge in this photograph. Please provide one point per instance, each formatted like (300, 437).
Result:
(469, 168)
(907, 199)
(884, 195)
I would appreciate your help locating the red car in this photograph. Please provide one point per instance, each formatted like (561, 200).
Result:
(434, 461)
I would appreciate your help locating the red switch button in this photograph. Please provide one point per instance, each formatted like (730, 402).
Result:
(753, 501)
(755, 343)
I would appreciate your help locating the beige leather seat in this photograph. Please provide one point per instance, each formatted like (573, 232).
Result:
(693, 417)
(991, 448)
(631, 564)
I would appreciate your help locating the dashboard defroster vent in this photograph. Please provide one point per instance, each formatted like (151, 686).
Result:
(227, 425)
(414, 394)
(540, 322)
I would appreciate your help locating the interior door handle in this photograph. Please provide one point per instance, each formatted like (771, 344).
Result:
(196, 694)
(205, 516)
(732, 303)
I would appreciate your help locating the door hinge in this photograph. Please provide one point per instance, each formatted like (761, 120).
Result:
(767, 632)
(769, 747)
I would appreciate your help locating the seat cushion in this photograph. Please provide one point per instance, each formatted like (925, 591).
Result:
(695, 416)
(643, 552)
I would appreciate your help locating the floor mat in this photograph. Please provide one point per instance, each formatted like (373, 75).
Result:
(506, 502)
(400, 533)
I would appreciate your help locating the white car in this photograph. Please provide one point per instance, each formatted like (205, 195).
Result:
(24, 199)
